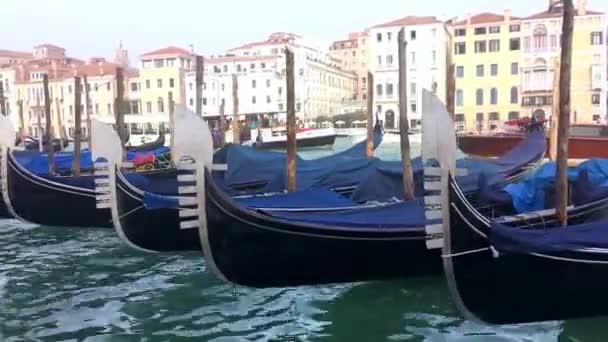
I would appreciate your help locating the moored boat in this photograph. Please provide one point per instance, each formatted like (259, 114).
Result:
(305, 137)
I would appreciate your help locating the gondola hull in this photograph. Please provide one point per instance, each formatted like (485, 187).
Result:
(251, 249)
(46, 202)
(503, 288)
(319, 141)
(155, 230)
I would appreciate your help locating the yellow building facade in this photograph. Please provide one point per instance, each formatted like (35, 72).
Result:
(354, 56)
(487, 57)
(541, 35)
(162, 72)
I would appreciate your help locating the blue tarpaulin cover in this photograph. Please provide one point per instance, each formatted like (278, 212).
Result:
(520, 241)
(399, 215)
(531, 193)
(310, 198)
(153, 201)
(37, 162)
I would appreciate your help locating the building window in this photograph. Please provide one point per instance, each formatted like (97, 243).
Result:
(494, 45)
(148, 107)
(379, 89)
(379, 37)
(225, 68)
(596, 118)
(413, 58)
(413, 107)
(267, 98)
(267, 83)
(413, 89)
(134, 87)
(460, 71)
(514, 44)
(280, 91)
(389, 89)
(514, 68)
(159, 83)
(389, 60)
(493, 116)
(363, 80)
(413, 35)
(514, 95)
(223, 87)
(494, 29)
(514, 28)
(280, 107)
(433, 57)
(460, 48)
(160, 103)
(191, 101)
(480, 46)
(253, 99)
(253, 83)
(252, 66)
(540, 38)
(493, 69)
(460, 32)
(479, 117)
(109, 109)
(527, 44)
(69, 88)
(513, 115)
(479, 97)
(595, 99)
(597, 38)
(480, 30)
(298, 106)
(479, 70)
(171, 83)
(493, 96)
(459, 97)
(389, 35)
(379, 60)
(97, 108)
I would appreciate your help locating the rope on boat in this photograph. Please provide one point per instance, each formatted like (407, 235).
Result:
(130, 212)
(582, 261)
(453, 255)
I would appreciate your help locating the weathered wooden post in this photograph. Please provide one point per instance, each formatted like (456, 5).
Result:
(61, 132)
(450, 92)
(553, 124)
(87, 108)
(118, 106)
(39, 136)
(291, 121)
(223, 121)
(77, 126)
(21, 120)
(49, 124)
(406, 160)
(235, 109)
(369, 146)
(200, 68)
(171, 107)
(3, 110)
(563, 126)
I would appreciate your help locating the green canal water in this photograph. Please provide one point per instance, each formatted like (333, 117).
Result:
(60, 284)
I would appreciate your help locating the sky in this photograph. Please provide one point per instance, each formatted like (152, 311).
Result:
(88, 28)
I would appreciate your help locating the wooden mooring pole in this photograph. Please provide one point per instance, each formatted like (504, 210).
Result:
(563, 126)
(61, 129)
(39, 136)
(77, 126)
(50, 150)
(450, 89)
(21, 120)
(87, 108)
(118, 106)
(369, 146)
(171, 107)
(235, 109)
(406, 159)
(553, 124)
(200, 67)
(291, 121)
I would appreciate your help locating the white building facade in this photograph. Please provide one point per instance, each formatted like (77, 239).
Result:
(321, 86)
(427, 45)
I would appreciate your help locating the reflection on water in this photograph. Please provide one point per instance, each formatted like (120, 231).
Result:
(60, 284)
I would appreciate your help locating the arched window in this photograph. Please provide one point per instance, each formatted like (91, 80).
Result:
(161, 105)
(514, 95)
(479, 97)
(494, 96)
(540, 38)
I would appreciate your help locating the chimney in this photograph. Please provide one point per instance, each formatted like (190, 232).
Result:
(508, 14)
(581, 7)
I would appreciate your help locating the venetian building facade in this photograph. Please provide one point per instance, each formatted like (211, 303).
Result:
(427, 45)
(487, 56)
(541, 42)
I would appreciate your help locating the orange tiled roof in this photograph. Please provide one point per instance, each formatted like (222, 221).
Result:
(16, 54)
(484, 18)
(48, 46)
(410, 20)
(170, 50)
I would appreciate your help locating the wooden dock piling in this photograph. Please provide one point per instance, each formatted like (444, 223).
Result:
(369, 146)
(77, 126)
(235, 109)
(291, 121)
(50, 150)
(200, 68)
(406, 159)
(563, 126)
(87, 108)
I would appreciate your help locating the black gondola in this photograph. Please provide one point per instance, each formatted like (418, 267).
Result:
(524, 268)
(153, 145)
(45, 200)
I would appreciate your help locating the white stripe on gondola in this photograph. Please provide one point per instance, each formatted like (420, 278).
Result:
(186, 178)
(432, 229)
(189, 224)
(102, 181)
(436, 172)
(434, 244)
(188, 213)
(433, 214)
(432, 186)
(186, 190)
(187, 201)
(432, 200)
(188, 186)
(103, 194)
